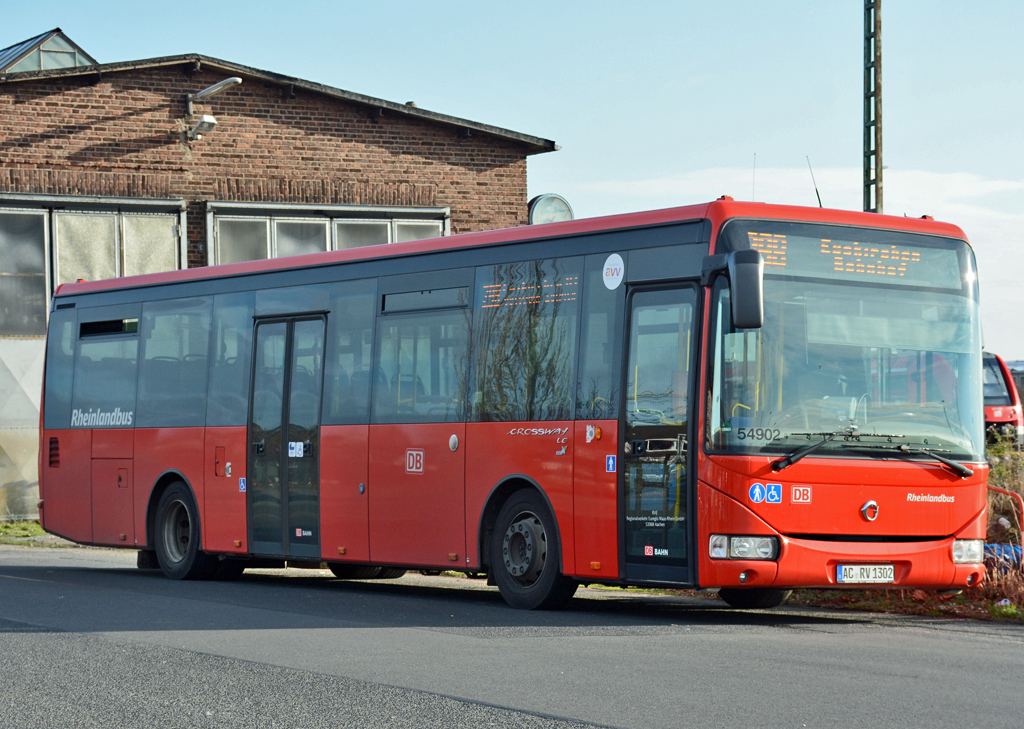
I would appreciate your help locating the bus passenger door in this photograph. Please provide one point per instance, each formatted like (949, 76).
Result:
(284, 438)
(657, 509)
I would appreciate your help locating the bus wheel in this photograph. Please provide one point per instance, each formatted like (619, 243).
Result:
(177, 536)
(524, 555)
(353, 571)
(390, 573)
(755, 597)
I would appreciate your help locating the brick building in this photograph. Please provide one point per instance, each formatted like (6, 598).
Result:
(104, 172)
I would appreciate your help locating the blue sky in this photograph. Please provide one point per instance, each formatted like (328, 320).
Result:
(662, 104)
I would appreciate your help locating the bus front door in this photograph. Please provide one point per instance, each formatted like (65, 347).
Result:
(284, 438)
(655, 461)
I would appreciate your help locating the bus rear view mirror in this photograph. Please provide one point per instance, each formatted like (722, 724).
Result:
(746, 276)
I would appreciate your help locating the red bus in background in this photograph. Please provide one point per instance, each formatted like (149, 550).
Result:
(1003, 414)
(729, 395)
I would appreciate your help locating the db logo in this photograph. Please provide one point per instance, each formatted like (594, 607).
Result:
(801, 494)
(414, 461)
(648, 551)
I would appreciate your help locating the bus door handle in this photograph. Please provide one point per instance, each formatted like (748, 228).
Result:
(259, 449)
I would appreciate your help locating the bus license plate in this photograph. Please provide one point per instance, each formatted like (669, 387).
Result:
(865, 574)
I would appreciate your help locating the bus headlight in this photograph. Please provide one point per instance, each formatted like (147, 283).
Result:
(967, 551)
(726, 547)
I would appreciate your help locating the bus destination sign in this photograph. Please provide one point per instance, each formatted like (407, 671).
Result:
(830, 258)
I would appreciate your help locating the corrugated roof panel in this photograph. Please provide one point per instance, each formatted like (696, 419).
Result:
(9, 55)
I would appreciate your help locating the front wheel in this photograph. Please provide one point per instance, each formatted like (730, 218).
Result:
(754, 598)
(524, 555)
(177, 536)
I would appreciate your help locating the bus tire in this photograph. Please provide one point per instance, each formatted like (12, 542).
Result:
(754, 598)
(345, 571)
(177, 536)
(390, 573)
(525, 558)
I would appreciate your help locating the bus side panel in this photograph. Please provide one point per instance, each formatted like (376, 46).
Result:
(111, 476)
(160, 450)
(224, 521)
(112, 521)
(716, 510)
(344, 513)
(540, 450)
(595, 489)
(417, 495)
(65, 487)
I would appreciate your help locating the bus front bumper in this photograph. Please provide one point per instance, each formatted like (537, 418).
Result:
(812, 563)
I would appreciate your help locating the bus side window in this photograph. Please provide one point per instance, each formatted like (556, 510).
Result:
(422, 359)
(60, 362)
(230, 359)
(597, 394)
(106, 369)
(349, 352)
(524, 340)
(172, 379)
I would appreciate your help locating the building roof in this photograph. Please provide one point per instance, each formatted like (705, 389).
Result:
(534, 145)
(13, 55)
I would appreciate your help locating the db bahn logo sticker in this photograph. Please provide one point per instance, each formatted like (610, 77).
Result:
(770, 493)
(801, 494)
(414, 461)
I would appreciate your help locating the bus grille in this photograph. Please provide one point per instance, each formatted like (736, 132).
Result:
(54, 453)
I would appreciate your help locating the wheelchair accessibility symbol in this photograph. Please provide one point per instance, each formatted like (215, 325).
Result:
(771, 493)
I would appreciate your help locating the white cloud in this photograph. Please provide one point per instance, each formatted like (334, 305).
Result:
(976, 204)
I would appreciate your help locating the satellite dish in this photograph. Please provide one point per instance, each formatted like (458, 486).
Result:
(549, 208)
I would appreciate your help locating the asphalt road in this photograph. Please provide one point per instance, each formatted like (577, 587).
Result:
(88, 640)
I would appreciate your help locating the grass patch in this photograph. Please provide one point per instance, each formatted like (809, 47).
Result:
(20, 529)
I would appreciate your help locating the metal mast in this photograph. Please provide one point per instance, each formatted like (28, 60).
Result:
(872, 106)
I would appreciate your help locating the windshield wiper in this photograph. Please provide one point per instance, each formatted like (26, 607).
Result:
(959, 468)
(792, 458)
(851, 432)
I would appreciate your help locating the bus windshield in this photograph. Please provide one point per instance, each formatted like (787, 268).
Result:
(871, 340)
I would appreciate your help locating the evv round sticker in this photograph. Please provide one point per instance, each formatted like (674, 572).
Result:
(614, 269)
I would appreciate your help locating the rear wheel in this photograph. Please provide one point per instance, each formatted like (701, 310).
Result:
(754, 598)
(525, 558)
(177, 536)
(390, 573)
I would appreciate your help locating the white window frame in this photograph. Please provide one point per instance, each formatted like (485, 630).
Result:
(335, 222)
(326, 222)
(398, 221)
(50, 206)
(329, 214)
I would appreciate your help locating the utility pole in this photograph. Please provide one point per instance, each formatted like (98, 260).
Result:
(873, 106)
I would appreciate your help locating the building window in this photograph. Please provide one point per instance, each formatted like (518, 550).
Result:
(249, 236)
(101, 245)
(22, 273)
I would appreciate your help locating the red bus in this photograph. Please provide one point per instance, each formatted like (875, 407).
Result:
(728, 395)
(1003, 414)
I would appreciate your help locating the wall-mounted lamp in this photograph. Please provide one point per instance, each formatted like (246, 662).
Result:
(205, 125)
(210, 91)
